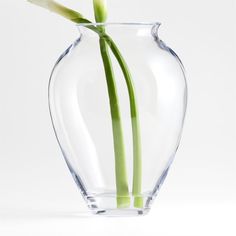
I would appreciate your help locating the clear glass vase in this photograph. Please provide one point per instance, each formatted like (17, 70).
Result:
(118, 156)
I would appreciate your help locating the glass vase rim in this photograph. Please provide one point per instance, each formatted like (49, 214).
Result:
(155, 23)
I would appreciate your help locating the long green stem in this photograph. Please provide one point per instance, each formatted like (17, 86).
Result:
(137, 152)
(123, 199)
(122, 189)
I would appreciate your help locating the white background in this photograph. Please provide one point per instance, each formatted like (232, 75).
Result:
(37, 193)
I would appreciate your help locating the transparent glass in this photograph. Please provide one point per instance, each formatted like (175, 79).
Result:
(81, 114)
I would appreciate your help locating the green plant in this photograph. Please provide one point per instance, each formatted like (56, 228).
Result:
(106, 42)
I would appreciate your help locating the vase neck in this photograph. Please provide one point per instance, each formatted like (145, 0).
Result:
(121, 29)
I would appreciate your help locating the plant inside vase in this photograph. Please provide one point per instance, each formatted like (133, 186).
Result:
(106, 45)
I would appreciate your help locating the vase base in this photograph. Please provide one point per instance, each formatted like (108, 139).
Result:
(106, 205)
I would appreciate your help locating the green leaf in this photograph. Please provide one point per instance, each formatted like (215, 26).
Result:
(58, 8)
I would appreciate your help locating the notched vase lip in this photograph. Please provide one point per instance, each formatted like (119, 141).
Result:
(157, 24)
(153, 25)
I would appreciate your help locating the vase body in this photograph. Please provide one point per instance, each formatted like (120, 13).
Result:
(81, 113)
